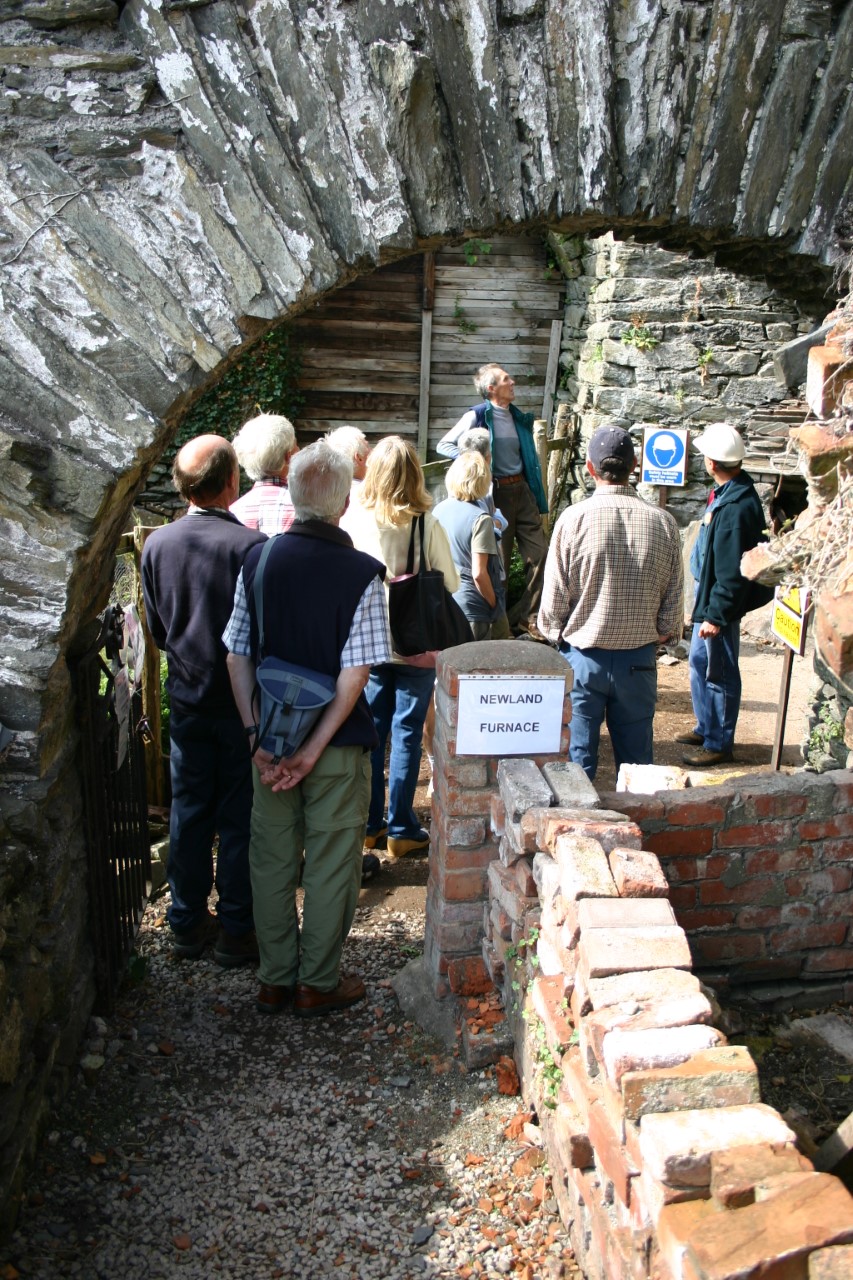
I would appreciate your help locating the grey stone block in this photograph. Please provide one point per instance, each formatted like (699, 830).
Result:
(571, 787)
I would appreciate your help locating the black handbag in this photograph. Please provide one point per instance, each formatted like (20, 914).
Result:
(423, 614)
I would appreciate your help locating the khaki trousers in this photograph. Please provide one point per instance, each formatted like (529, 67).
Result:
(324, 817)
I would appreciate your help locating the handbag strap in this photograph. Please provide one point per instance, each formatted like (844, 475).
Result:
(410, 558)
(258, 592)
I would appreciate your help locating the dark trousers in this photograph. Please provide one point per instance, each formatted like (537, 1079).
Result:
(211, 794)
(524, 526)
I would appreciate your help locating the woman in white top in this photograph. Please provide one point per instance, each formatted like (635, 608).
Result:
(379, 521)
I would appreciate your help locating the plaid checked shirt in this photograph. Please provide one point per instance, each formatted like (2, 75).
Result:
(614, 576)
(368, 643)
(266, 506)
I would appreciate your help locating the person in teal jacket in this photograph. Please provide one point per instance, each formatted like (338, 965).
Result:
(734, 522)
(516, 482)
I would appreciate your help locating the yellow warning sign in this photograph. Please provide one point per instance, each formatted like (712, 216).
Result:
(788, 620)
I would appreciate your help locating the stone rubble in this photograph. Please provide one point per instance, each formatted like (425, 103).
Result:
(214, 1141)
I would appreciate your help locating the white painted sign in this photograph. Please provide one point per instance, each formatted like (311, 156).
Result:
(509, 715)
(664, 456)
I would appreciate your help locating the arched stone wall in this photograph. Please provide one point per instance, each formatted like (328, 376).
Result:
(175, 173)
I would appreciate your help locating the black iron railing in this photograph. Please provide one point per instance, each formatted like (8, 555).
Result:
(115, 810)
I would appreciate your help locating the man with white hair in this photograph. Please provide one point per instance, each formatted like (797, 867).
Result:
(353, 444)
(264, 446)
(516, 482)
(324, 610)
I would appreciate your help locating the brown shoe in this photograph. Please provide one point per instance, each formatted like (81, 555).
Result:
(311, 1003)
(231, 951)
(690, 739)
(702, 759)
(273, 999)
(400, 847)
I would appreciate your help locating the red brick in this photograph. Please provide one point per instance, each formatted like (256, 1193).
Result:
(574, 1144)
(725, 1076)
(826, 373)
(497, 812)
(808, 937)
(754, 835)
(705, 918)
(778, 968)
(735, 1174)
(836, 906)
(776, 861)
(639, 808)
(523, 872)
(774, 1238)
(834, 632)
(685, 810)
(730, 948)
(461, 803)
(682, 897)
(697, 868)
(817, 884)
(827, 828)
(749, 892)
(467, 976)
(693, 841)
(676, 1224)
(637, 873)
(468, 833)
(830, 961)
(778, 804)
(548, 997)
(759, 917)
(610, 1155)
(799, 912)
(469, 859)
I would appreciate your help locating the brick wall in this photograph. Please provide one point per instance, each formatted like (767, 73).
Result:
(664, 1162)
(760, 874)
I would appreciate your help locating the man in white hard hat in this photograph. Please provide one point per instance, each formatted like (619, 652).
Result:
(733, 523)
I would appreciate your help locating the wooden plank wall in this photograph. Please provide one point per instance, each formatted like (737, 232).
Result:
(499, 309)
(361, 346)
(360, 350)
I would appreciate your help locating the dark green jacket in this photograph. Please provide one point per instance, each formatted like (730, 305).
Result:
(734, 523)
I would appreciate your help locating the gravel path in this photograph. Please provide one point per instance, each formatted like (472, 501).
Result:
(215, 1141)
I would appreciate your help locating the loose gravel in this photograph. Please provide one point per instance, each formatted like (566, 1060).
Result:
(203, 1139)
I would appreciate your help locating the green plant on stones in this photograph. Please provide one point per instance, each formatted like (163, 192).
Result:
(463, 324)
(639, 335)
(263, 380)
(703, 361)
(679, 397)
(548, 1063)
(473, 249)
(827, 730)
(566, 376)
(597, 353)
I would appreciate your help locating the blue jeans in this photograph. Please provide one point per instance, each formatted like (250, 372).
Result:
(211, 793)
(618, 686)
(398, 697)
(715, 685)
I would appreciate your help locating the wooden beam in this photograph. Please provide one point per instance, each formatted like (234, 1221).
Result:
(426, 355)
(551, 371)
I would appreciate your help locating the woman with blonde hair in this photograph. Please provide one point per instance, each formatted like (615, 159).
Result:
(379, 521)
(473, 545)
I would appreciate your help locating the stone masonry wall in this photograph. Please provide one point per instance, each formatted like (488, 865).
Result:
(702, 346)
(663, 1160)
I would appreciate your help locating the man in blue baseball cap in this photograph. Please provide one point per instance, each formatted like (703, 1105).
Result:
(612, 594)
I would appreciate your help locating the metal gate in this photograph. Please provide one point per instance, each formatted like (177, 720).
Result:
(115, 810)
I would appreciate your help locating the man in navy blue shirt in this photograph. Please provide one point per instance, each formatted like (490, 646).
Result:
(189, 571)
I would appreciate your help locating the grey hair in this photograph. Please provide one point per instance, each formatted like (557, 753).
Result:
(319, 482)
(485, 378)
(263, 443)
(476, 440)
(347, 440)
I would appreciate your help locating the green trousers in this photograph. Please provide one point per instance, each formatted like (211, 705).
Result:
(324, 817)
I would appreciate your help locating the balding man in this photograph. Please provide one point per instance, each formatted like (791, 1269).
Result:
(189, 571)
(264, 446)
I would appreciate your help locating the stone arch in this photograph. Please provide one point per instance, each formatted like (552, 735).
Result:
(175, 172)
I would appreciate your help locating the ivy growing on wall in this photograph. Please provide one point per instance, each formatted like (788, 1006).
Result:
(264, 380)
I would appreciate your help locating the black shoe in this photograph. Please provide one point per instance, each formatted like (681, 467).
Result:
(231, 951)
(690, 739)
(370, 867)
(702, 759)
(188, 944)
